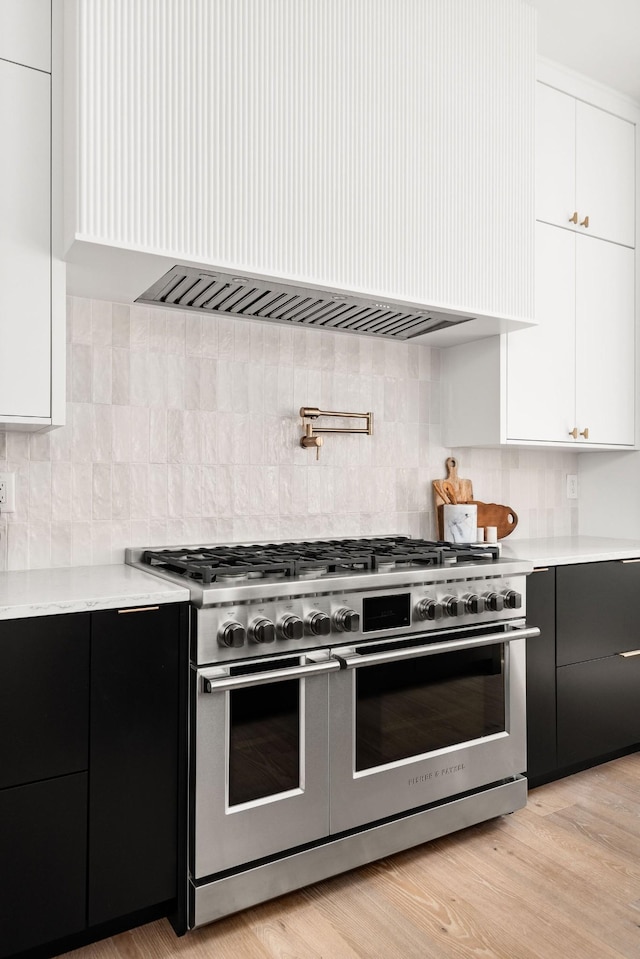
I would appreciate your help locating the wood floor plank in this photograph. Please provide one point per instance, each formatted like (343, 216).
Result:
(520, 896)
(558, 879)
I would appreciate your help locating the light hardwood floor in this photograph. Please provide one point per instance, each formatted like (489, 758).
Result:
(559, 879)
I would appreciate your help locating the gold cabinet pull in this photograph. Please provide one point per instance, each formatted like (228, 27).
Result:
(632, 652)
(574, 432)
(585, 222)
(139, 609)
(574, 218)
(585, 432)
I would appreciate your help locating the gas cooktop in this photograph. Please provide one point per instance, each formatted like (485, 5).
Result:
(231, 564)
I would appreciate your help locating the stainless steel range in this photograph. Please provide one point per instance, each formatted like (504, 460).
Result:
(349, 699)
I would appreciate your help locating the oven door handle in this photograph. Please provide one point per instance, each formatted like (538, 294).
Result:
(353, 660)
(215, 682)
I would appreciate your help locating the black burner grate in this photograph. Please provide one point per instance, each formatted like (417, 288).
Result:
(209, 564)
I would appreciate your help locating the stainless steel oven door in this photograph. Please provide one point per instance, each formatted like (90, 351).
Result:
(260, 759)
(414, 722)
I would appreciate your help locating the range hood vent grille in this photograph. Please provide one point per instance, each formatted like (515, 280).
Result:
(188, 288)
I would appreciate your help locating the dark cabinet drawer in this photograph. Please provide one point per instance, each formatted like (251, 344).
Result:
(597, 610)
(44, 664)
(598, 711)
(43, 848)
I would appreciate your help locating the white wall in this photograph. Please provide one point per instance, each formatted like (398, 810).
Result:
(609, 490)
(186, 429)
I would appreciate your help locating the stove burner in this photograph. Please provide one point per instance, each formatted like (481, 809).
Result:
(310, 573)
(237, 563)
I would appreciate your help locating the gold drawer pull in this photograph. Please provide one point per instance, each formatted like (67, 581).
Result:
(139, 609)
(632, 652)
(585, 222)
(574, 432)
(585, 432)
(574, 218)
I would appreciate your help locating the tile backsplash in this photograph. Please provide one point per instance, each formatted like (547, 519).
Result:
(182, 428)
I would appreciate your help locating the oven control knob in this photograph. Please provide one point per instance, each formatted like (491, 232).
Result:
(262, 631)
(233, 634)
(453, 606)
(291, 627)
(475, 603)
(346, 620)
(428, 609)
(319, 624)
(494, 601)
(512, 599)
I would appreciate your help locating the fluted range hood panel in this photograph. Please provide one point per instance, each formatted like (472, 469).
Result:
(192, 289)
(383, 149)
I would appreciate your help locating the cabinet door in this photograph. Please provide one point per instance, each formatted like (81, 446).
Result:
(605, 174)
(555, 155)
(25, 32)
(540, 361)
(597, 708)
(44, 706)
(136, 672)
(605, 341)
(43, 851)
(25, 228)
(541, 675)
(596, 610)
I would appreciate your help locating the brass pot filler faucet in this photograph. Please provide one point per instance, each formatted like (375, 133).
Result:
(311, 438)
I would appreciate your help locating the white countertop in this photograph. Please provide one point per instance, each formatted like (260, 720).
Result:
(76, 589)
(563, 550)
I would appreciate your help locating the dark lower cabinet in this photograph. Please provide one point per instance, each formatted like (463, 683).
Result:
(583, 673)
(598, 708)
(43, 851)
(135, 765)
(597, 609)
(44, 705)
(92, 774)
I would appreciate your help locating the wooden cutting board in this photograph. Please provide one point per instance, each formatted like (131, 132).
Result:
(452, 489)
(493, 514)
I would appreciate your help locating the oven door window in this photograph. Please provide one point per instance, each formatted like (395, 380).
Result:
(415, 706)
(264, 741)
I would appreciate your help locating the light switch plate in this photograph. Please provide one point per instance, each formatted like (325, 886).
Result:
(572, 486)
(7, 492)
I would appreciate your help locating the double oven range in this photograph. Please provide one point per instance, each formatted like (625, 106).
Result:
(348, 699)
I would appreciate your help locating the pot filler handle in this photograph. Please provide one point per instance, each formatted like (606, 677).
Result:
(215, 682)
(352, 660)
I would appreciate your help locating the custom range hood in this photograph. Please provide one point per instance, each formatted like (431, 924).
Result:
(188, 288)
(364, 166)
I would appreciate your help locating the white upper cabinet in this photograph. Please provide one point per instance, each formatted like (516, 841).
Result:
(605, 344)
(25, 252)
(540, 367)
(569, 381)
(375, 146)
(32, 327)
(585, 167)
(25, 32)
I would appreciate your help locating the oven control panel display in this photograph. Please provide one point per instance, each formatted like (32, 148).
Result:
(385, 612)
